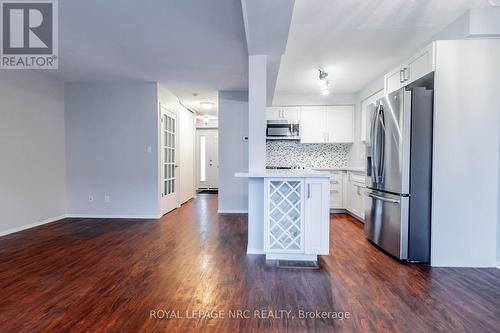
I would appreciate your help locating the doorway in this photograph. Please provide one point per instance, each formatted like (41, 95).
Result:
(169, 200)
(207, 156)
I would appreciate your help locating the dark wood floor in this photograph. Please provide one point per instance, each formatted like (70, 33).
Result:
(108, 275)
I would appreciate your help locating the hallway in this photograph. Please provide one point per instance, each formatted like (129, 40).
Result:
(109, 275)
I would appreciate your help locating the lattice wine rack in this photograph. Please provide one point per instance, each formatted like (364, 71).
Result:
(285, 215)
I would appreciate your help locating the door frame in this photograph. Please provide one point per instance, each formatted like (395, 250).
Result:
(162, 110)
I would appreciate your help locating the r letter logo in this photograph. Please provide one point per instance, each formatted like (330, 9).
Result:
(29, 35)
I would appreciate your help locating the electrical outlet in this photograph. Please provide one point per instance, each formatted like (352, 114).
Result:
(149, 150)
(107, 198)
(91, 198)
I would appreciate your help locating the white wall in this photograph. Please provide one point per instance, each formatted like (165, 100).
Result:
(466, 153)
(111, 148)
(282, 99)
(32, 151)
(186, 148)
(233, 151)
(212, 123)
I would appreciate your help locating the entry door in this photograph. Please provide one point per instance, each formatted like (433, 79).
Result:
(208, 158)
(169, 199)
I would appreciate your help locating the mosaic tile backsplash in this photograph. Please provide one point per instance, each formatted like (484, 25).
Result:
(308, 155)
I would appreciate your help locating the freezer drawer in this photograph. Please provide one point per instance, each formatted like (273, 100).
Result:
(386, 222)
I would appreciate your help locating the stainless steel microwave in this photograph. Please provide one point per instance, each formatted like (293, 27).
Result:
(283, 130)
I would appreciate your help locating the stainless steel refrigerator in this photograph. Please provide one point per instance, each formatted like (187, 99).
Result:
(399, 163)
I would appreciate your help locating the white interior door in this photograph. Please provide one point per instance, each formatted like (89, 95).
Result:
(208, 158)
(169, 199)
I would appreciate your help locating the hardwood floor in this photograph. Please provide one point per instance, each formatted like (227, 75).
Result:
(99, 275)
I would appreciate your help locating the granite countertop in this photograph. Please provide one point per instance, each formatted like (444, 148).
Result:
(284, 174)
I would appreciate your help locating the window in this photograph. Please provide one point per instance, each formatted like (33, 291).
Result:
(203, 155)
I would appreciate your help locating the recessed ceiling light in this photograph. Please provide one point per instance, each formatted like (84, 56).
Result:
(207, 105)
(494, 3)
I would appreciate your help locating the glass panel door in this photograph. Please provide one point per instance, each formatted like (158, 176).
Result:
(169, 200)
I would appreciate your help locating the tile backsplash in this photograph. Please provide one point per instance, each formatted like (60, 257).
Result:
(308, 155)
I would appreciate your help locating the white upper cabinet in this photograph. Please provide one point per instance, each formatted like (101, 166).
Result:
(326, 124)
(313, 124)
(420, 65)
(365, 104)
(283, 113)
(393, 80)
(273, 113)
(411, 70)
(339, 123)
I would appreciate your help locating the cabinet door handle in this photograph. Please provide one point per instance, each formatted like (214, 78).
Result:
(308, 191)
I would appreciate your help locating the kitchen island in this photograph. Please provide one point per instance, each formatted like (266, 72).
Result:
(295, 213)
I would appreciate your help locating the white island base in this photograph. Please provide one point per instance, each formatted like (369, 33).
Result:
(296, 213)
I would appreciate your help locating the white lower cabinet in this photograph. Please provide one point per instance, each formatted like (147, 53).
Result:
(337, 190)
(355, 194)
(347, 192)
(296, 217)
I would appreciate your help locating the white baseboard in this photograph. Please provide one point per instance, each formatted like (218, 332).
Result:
(111, 216)
(292, 256)
(231, 211)
(32, 225)
(498, 264)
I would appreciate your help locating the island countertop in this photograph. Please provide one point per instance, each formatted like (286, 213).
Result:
(283, 174)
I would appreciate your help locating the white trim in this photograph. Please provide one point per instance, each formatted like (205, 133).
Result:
(255, 251)
(338, 211)
(356, 216)
(32, 225)
(97, 216)
(292, 256)
(498, 264)
(232, 211)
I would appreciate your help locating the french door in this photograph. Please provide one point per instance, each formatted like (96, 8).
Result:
(169, 199)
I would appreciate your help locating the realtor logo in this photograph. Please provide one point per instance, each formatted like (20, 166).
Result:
(29, 34)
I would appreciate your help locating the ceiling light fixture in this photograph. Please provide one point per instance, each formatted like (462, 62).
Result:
(494, 3)
(324, 84)
(207, 105)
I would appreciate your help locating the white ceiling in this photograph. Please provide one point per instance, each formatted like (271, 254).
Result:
(356, 41)
(190, 46)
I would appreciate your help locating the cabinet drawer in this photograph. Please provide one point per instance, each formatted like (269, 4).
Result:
(357, 178)
(335, 186)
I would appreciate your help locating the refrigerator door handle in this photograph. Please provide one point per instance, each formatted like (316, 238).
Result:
(394, 201)
(374, 143)
(381, 164)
